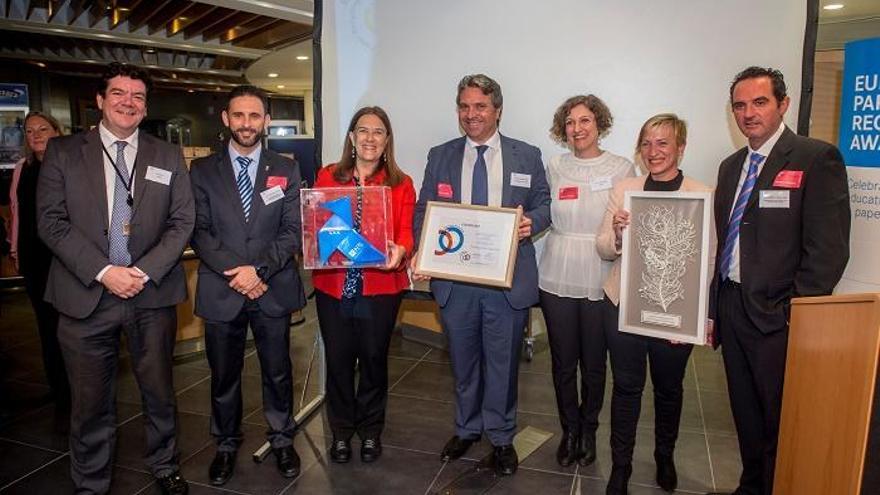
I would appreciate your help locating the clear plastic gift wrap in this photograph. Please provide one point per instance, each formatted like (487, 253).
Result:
(329, 217)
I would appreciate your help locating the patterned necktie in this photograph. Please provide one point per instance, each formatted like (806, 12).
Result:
(480, 181)
(245, 188)
(737, 214)
(354, 277)
(121, 215)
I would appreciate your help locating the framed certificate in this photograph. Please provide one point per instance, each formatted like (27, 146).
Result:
(329, 216)
(665, 266)
(467, 243)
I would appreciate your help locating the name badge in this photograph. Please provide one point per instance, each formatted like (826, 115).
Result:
(444, 190)
(520, 180)
(159, 175)
(272, 195)
(789, 179)
(600, 184)
(774, 199)
(570, 192)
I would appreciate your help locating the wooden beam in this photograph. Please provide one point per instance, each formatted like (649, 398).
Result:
(207, 21)
(232, 24)
(247, 28)
(171, 11)
(195, 12)
(144, 12)
(54, 8)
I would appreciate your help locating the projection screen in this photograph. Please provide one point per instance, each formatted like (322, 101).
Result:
(641, 56)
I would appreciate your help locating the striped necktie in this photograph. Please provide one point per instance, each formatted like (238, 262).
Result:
(245, 188)
(737, 214)
(121, 215)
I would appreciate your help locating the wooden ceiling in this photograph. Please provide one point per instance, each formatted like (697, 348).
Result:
(204, 42)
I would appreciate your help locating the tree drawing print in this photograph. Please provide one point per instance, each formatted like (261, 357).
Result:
(666, 242)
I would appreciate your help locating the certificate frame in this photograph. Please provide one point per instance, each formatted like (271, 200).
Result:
(665, 265)
(469, 243)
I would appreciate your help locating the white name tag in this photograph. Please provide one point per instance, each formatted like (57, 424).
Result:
(520, 180)
(600, 183)
(159, 175)
(272, 195)
(774, 199)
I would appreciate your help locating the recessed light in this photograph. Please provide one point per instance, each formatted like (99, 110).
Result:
(272, 74)
(833, 6)
(190, 91)
(302, 57)
(150, 50)
(280, 86)
(183, 19)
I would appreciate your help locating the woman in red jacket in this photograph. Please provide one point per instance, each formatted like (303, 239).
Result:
(357, 308)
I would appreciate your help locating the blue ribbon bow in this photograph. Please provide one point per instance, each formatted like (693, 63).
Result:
(337, 234)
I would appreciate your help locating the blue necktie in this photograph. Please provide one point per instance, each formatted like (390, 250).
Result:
(737, 214)
(121, 215)
(245, 189)
(480, 181)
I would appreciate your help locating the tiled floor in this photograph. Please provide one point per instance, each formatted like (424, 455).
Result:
(33, 442)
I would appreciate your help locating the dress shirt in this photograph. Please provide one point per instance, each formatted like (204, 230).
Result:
(108, 141)
(494, 169)
(252, 168)
(764, 151)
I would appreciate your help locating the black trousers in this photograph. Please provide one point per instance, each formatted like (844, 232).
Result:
(224, 346)
(755, 366)
(91, 354)
(629, 353)
(47, 326)
(576, 330)
(360, 343)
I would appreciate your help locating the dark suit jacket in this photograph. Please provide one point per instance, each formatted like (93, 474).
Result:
(444, 167)
(223, 239)
(73, 220)
(786, 252)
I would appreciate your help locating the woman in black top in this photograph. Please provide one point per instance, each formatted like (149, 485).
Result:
(32, 257)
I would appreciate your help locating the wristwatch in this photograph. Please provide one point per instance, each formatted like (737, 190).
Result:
(261, 271)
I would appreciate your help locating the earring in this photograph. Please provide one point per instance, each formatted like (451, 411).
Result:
(353, 154)
(385, 156)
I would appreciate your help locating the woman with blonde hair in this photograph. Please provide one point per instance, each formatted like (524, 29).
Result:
(659, 148)
(32, 258)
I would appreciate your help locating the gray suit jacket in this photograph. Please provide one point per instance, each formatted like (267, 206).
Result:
(73, 220)
(444, 167)
(223, 239)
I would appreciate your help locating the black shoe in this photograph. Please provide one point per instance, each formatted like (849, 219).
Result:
(666, 475)
(456, 447)
(587, 447)
(173, 484)
(340, 451)
(371, 449)
(567, 452)
(619, 480)
(506, 460)
(288, 461)
(221, 468)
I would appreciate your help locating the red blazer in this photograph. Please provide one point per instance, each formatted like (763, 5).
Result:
(376, 281)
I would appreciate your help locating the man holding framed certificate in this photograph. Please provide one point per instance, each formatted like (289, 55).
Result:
(484, 325)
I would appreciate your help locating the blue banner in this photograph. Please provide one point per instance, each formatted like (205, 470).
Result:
(14, 95)
(860, 104)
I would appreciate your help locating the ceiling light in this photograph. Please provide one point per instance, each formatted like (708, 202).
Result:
(272, 74)
(302, 57)
(183, 19)
(150, 50)
(280, 86)
(123, 9)
(190, 91)
(833, 6)
(40, 64)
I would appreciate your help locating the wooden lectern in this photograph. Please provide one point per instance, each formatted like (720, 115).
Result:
(829, 440)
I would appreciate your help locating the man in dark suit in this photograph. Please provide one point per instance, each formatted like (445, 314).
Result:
(116, 209)
(783, 221)
(485, 325)
(247, 231)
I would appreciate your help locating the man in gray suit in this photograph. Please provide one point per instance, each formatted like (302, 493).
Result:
(116, 209)
(485, 325)
(247, 231)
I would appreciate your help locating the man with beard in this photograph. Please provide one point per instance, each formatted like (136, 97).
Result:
(247, 230)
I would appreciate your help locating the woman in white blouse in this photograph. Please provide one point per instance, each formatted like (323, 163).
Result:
(571, 273)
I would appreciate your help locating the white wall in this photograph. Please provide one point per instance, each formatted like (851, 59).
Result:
(641, 56)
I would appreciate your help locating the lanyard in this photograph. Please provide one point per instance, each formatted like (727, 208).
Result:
(126, 185)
